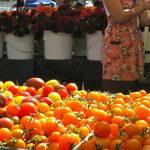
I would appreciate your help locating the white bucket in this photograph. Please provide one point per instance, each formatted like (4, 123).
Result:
(80, 46)
(58, 45)
(20, 47)
(1, 44)
(94, 46)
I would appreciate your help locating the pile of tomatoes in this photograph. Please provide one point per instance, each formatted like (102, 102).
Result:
(58, 116)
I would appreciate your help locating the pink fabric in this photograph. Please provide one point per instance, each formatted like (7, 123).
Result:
(123, 53)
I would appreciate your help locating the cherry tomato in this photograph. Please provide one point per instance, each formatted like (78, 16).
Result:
(5, 134)
(46, 100)
(3, 100)
(13, 89)
(31, 90)
(27, 108)
(35, 82)
(6, 122)
(24, 93)
(71, 87)
(47, 89)
(63, 93)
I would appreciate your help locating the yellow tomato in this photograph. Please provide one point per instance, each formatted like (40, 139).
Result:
(54, 96)
(53, 82)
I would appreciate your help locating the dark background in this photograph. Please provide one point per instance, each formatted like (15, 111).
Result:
(78, 69)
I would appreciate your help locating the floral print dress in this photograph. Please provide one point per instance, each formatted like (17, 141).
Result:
(123, 53)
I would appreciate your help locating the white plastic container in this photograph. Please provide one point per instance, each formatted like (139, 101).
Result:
(57, 45)
(19, 47)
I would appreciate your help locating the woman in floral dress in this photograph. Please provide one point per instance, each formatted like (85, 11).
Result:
(123, 53)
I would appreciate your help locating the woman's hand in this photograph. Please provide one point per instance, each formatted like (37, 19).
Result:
(121, 16)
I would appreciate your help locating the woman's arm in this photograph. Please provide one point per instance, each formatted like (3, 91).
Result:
(121, 16)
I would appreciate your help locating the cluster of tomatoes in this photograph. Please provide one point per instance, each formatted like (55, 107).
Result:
(58, 116)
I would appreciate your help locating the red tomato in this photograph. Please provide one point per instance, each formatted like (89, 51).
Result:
(3, 112)
(59, 87)
(63, 93)
(27, 108)
(71, 87)
(6, 122)
(9, 99)
(3, 100)
(24, 93)
(47, 89)
(31, 90)
(13, 89)
(35, 82)
(30, 99)
(46, 100)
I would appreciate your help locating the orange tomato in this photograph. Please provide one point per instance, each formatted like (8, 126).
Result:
(12, 109)
(25, 120)
(50, 126)
(139, 138)
(76, 105)
(69, 118)
(135, 95)
(43, 107)
(143, 92)
(129, 112)
(141, 111)
(114, 129)
(119, 101)
(86, 145)
(41, 146)
(132, 144)
(104, 142)
(131, 130)
(102, 129)
(5, 134)
(123, 137)
(94, 95)
(118, 120)
(100, 115)
(19, 143)
(54, 137)
(83, 131)
(146, 147)
(17, 133)
(49, 113)
(65, 141)
(118, 111)
(35, 126)
(142, 124)
(114, 144)
(146, 141)
(54, 146)
(146, 103)
(71, 87)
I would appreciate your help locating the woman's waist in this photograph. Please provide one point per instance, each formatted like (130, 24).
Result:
(131, 24)
(122, 28)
